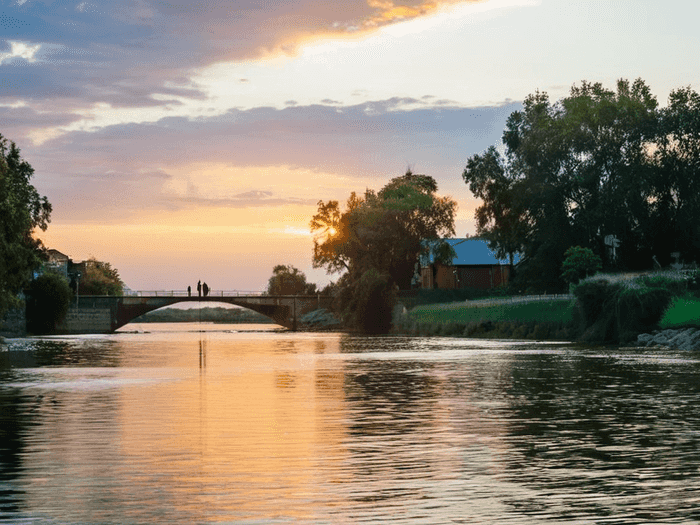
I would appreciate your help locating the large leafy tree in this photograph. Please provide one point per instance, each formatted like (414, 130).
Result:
(375, 243)
(22, 212)
(676, 181)
(597, 165)
(383, 230)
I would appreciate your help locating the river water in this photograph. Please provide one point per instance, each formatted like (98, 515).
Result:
(230, 424)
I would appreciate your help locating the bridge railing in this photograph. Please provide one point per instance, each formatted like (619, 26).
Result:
(183, 293)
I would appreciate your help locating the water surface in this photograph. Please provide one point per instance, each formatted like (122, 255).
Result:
(229, 424)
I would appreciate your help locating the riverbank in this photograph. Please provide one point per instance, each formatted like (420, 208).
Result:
(534, 317)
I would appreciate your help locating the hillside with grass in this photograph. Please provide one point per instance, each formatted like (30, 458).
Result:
(605, 308)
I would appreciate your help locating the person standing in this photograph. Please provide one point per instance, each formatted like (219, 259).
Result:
(189, 291)
(199, 288)
(205, 289)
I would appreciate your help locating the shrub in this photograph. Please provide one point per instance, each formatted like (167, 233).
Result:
(48, 300)
(578, 263)
(593, 296)
(639, 309)
(374, 302)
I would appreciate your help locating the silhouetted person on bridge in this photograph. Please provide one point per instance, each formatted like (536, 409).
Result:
(205, 289)
(199, 288)
(189, 291)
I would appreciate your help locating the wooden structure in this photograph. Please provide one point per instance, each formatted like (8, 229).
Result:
(474, 266)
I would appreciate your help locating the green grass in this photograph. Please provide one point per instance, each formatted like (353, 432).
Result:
(683, 312)
(537, 311)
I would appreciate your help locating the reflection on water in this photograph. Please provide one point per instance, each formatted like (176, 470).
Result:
(171, 424)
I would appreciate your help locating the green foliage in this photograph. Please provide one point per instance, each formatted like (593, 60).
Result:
(288, 280)
(369, 304)
(48, 300)
(676, 283)
(22, 211)
(597, 163)
(555, 310)
(593, 297)
(99, 278)
(376, 242)
(639, 309)
(618, 311)
(382, 231)
(579, 263)
(522, 320)
(424, 296)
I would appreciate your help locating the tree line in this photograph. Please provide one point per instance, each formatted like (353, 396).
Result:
(23, 257)
(601, 179)
(606, 170)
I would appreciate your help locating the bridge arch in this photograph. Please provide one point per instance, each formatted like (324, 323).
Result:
(280, 311)
(105, 314)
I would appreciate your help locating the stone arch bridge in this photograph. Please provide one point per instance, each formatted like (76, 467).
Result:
(105, 314)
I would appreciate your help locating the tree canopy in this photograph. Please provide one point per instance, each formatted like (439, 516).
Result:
(596, 167)
(22, 211)
(288, 280)
(375, 243)
(99, 278)
(579, 263)
(382, 230)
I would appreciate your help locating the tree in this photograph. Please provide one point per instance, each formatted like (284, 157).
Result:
(597, 164)
(288, 280)
(375, 243)
(22, 211)
(382, 231)
(579, 263)
(676, 184)
(99, 278)
(502, 219)
(48, 299)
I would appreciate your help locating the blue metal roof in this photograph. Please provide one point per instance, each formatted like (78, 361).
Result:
(473, 252)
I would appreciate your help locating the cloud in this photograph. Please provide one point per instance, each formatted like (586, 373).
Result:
(258, 158)
(20, 50)
(125, 52)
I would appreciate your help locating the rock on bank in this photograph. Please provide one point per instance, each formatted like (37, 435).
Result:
(680, 339)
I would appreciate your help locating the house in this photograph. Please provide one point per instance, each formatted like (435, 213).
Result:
(474, 266)
(58, 262)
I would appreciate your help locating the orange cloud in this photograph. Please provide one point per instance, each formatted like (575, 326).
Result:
(363, 20)
(388, 12)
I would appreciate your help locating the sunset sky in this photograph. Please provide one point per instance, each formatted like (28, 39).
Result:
(186, 140)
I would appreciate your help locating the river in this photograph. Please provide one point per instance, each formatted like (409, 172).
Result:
(239, 424)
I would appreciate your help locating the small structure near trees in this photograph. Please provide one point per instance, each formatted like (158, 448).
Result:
(474, 265)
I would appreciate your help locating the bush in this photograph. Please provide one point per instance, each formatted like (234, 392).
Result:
(639, 309)
(578, 263)
(593, 297)
(48, 300)
(619, 311)
(372, 303)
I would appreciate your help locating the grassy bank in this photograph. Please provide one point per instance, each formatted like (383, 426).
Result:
(608, 308)
(684, 312)
(548, 319)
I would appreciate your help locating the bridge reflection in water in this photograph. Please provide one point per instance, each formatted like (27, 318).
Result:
(105, 314)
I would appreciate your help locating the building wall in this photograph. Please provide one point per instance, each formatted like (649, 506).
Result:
(481, 277)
